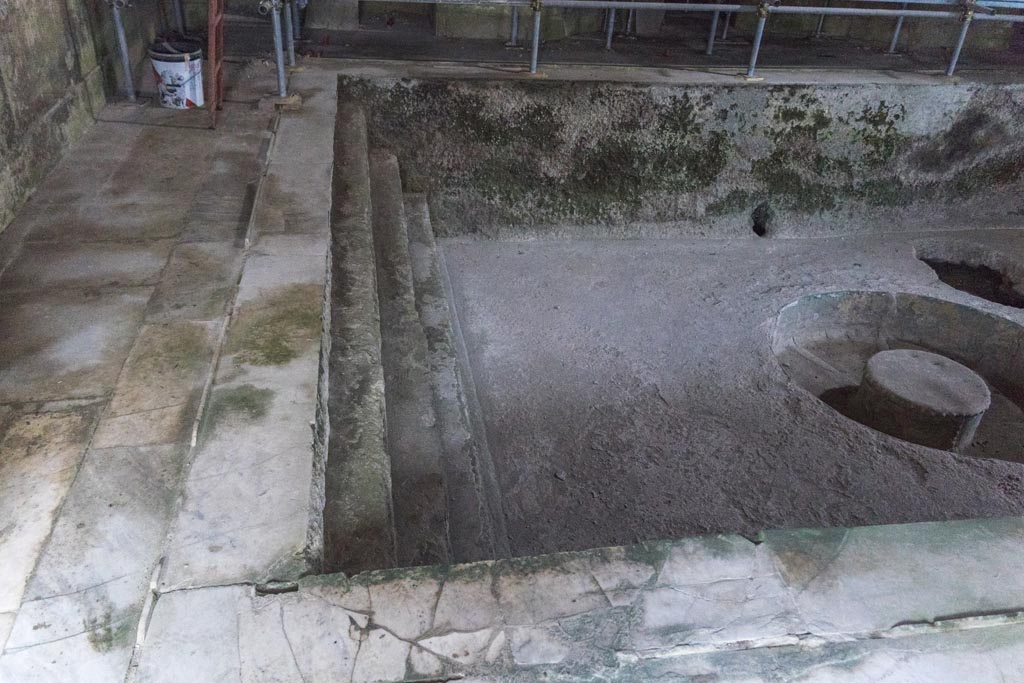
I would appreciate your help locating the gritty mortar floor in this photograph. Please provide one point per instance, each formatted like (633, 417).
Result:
(629, 391)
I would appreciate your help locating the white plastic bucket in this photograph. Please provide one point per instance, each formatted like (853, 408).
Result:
(179, 73)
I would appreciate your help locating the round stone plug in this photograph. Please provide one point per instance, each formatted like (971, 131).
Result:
(922, 397)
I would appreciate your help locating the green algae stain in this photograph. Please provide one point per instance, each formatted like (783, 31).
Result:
(104, 634)
(427, 574)
(555, 563)
(797, 174)
(188, 347)
(476, 572)
(678, 116)
(735, 201)
(783, 178)
(789, 115)
(276, 328)
(884, 192)
(629, 164)
(797, 124)
(520, 148)
(650, 553)
(525, 154)
(880, 132)
(246, 401)
(994, 172)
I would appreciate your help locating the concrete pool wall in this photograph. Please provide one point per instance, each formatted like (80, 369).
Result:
(575, 413)
(535, 158)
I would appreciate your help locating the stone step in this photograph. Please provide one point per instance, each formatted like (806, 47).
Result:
(475, 512)
(359, 529)
(413, 442)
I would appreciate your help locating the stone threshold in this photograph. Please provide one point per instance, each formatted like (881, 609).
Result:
(929, 601)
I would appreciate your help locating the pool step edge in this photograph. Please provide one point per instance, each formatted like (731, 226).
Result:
(359, 531)
(474, 500)
(413, 442)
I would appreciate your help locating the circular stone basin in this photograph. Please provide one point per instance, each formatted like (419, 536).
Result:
(825, 343)
(922, 397)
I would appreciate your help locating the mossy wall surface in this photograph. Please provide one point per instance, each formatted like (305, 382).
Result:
(57, 66)
(531, 158)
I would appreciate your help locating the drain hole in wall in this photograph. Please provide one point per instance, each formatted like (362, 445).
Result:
(761, 217)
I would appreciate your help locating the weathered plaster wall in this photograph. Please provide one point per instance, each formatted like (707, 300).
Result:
(56, 69)
(494, 23)
(530, 158)
(338, 15)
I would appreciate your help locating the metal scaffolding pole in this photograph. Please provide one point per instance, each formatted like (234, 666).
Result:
(513, 39)
(821, 24)
(711, 35)
(275, 20)
(964, 11)
(968, 16)
(178, 10)
(296, 20)
(535, 47)
(762, 19)
(896, 33)
(289, 31)
(871, 12)
(128, 84)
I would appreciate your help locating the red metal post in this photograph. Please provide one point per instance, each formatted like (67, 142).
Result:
(215, 59)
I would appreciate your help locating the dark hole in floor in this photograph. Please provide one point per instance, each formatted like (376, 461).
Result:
(981, 281)
(761, 218)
